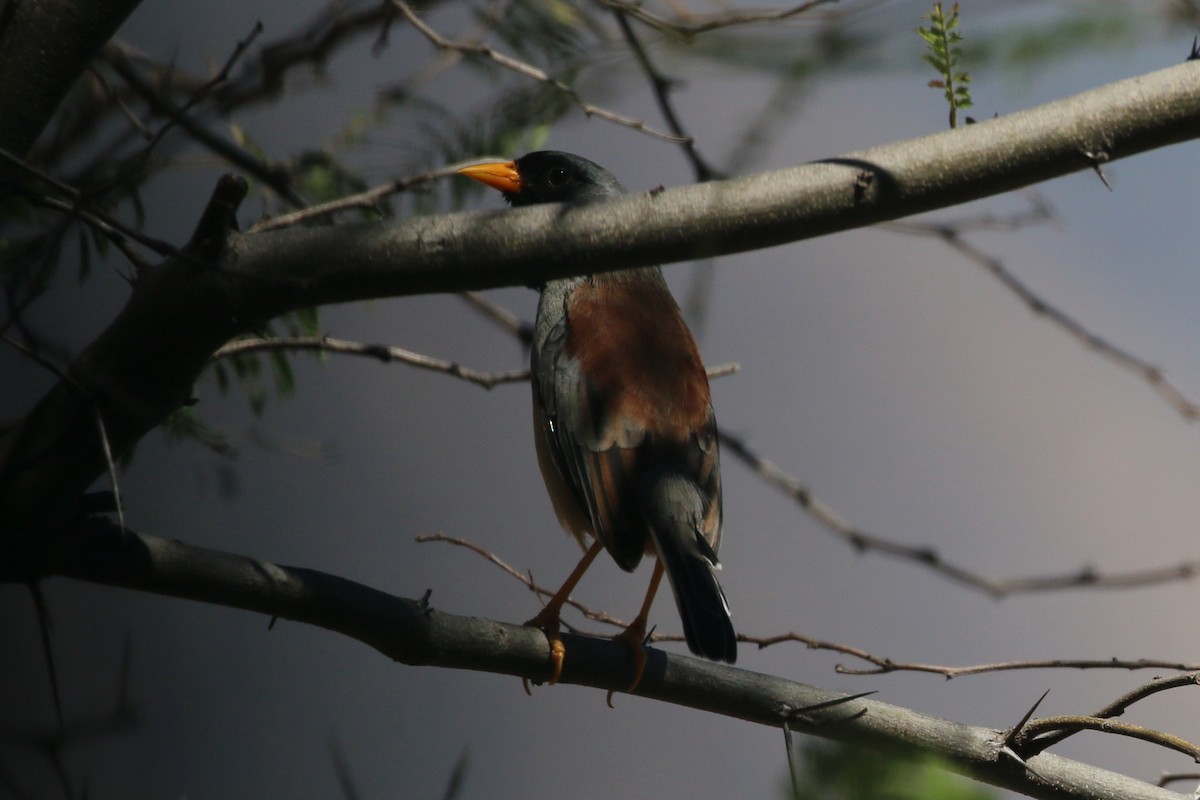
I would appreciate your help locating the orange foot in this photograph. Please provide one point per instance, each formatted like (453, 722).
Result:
(547, 621)
(548, 618)
(633, 637)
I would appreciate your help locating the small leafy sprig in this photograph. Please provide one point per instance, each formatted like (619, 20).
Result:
(944, 53)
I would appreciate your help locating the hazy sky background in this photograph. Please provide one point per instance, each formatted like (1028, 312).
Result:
(903, 384)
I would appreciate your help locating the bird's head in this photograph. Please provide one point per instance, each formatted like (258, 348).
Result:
(547, 176)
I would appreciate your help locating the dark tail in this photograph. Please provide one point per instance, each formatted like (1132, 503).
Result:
(674, 509)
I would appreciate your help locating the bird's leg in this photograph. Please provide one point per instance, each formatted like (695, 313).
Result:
(634, 637)
(548, 618)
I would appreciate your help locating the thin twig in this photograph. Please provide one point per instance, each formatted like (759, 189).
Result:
(951, 235)
(1036, 744)
(526, 70)
(1173, 777)
(1086, 578)
(884, 665)
(133, 119)
(112, 229)
(260, 78)
(1074, 724)
(368, 199)
(383, 352)
(541, 591)
(45, 624)
(264, 77)
(101, 430)
(389, 353)
(500, 315)
(661, 85)
(70, 734)
(278, 179)
(202, 92)
(711, 22)
(1118, 707)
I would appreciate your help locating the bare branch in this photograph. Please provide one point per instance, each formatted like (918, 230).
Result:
(526, 70)
(383, 352)
(500, 316)
(1117, 707)
(1153, 375)
(363, 200)
(310, 44)
(1172, 777)
(257, 277)
(98, 419)
(71, 732)
(661, 86)
(118, 100)
(42, 54)
(1033, 743)
(112, 229)
(711, 22)
(828, 518)
(272, 175)
(882, 665)
(885, 665)
(1074, 724)
(201, 92)
(540, 591)
(390, 353)
(413, 632)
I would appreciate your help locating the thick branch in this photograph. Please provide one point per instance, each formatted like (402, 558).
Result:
(142, 367)
(414, 633)
(45, 45)
(528, 245)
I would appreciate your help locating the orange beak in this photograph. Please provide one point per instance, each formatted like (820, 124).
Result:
(500, 175)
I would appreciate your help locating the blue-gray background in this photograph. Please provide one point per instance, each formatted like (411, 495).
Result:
(902, 383)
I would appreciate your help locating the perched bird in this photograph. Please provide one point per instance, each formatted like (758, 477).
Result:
(623, 421)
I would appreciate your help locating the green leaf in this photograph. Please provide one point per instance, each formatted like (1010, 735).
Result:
(185, 424)
(310, 321)
(841, 772)
(941, 38)
(281, 367)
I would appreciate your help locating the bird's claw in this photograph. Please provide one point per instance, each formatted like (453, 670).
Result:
(633, 637)
(548, 624)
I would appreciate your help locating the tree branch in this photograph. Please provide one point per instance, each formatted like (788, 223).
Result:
(414, 633)
(862, 541)
(527, 70)
(143, 366)
(44, 48)
(383, 352)
(661, 86)
(1148, 372)
(273, 175)
(1027, 738)
(698, 24)
(881, 664)
(530, 245)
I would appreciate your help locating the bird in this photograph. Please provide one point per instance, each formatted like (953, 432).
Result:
(624, 429)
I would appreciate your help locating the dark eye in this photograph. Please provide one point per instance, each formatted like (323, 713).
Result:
(558, 177)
